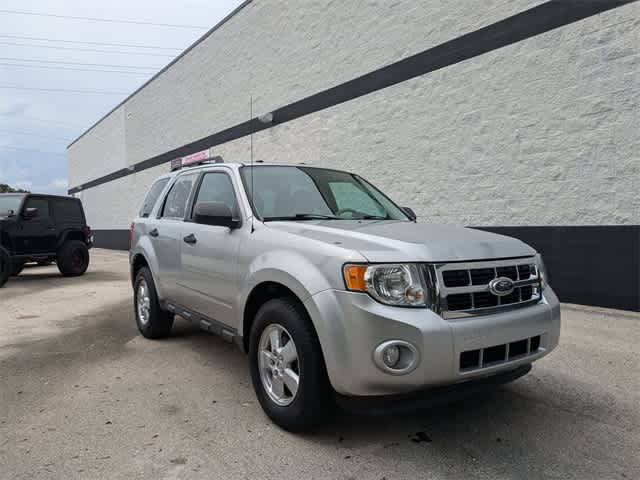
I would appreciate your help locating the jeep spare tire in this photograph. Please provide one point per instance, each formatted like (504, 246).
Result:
(73, 258)
(5, 266)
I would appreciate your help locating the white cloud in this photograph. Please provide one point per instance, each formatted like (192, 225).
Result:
(56, 186)
(59, 183)
(24, 184)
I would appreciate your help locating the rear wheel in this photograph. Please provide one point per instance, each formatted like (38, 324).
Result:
(5, 266)
(152, 321)
(287, 366)
(73, 258)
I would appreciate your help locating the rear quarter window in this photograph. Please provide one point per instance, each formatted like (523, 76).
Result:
(67, 211)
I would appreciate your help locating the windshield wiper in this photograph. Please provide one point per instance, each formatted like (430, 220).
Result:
(371, 217)
(303, 216)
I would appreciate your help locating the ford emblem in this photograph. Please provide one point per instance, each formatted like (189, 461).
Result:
(501, 286)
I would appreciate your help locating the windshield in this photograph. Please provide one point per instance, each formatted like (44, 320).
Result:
(9, 204)
(305, 193)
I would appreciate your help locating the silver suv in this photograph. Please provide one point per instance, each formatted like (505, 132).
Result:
(333, 290)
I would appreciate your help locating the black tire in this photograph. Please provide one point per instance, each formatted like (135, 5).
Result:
(16, 269)
(5, 266)
(159, 321)
(73, 258)
(312, 401)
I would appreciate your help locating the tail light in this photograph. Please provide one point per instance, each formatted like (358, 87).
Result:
(130, 235)
(87, 231)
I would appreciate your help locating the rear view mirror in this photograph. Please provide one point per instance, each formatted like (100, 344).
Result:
(410, 213)
(30, 213)
(214, 213)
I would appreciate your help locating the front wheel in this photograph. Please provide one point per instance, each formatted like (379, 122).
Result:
(287, 366)
(152, 321)
(73, 258)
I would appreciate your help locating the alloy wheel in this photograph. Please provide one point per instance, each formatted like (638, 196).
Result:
(143, 302)
(278, 364)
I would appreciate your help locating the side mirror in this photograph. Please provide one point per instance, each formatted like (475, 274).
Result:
(216, 214)
(410, 213)
(30, 213)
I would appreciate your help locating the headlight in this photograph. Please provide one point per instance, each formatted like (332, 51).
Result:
(392, 284)
(542, 271)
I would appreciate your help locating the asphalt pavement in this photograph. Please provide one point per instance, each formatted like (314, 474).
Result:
(83, 395)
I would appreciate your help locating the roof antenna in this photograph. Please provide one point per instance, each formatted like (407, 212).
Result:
(253, 209)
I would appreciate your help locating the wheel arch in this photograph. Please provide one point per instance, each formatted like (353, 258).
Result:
(260, 294)
(70, 234)
(137, 262)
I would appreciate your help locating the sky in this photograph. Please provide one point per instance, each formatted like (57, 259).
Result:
(36, 126)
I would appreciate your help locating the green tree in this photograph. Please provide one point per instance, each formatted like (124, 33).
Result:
(4, 188)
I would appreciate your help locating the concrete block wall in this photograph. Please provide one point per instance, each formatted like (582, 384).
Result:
(543, 132)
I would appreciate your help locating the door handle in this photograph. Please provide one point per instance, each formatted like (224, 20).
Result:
(190, 239)
(154, 232)
(51, 228)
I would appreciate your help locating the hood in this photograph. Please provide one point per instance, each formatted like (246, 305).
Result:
(398, 241)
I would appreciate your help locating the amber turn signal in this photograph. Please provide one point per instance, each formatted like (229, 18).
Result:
(354, 277)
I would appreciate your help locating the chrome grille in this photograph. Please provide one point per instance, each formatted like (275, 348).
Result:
(464, 287)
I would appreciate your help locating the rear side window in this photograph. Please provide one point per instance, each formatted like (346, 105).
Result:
(67, 211)
(175, 206)
(152, 197)
(41, 204)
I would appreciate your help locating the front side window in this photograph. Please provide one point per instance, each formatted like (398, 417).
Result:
(217, 187)
(175, 205)
(41, 204)
(152, 197)
(305, 193)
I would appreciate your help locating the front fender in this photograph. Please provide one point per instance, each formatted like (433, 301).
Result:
(287, 268)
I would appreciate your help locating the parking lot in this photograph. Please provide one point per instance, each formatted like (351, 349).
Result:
(83, 395)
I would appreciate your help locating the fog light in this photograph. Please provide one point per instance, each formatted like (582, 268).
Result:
(391, 355)
(396, 357)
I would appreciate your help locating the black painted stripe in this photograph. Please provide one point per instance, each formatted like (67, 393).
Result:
(532, 22)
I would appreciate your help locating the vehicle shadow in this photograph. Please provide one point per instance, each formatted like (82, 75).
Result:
(505, 433)
(92, 275)
(536, 427)
(43, 279)
(541, 422)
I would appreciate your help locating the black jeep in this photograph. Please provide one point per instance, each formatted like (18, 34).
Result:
(43, 229)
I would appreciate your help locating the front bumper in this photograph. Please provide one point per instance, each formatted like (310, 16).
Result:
(351, 325)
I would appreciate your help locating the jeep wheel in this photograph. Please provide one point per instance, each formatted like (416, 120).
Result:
(287, 366)
(73, 258)
(17, 268)
(5, 266)
(152, 321)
